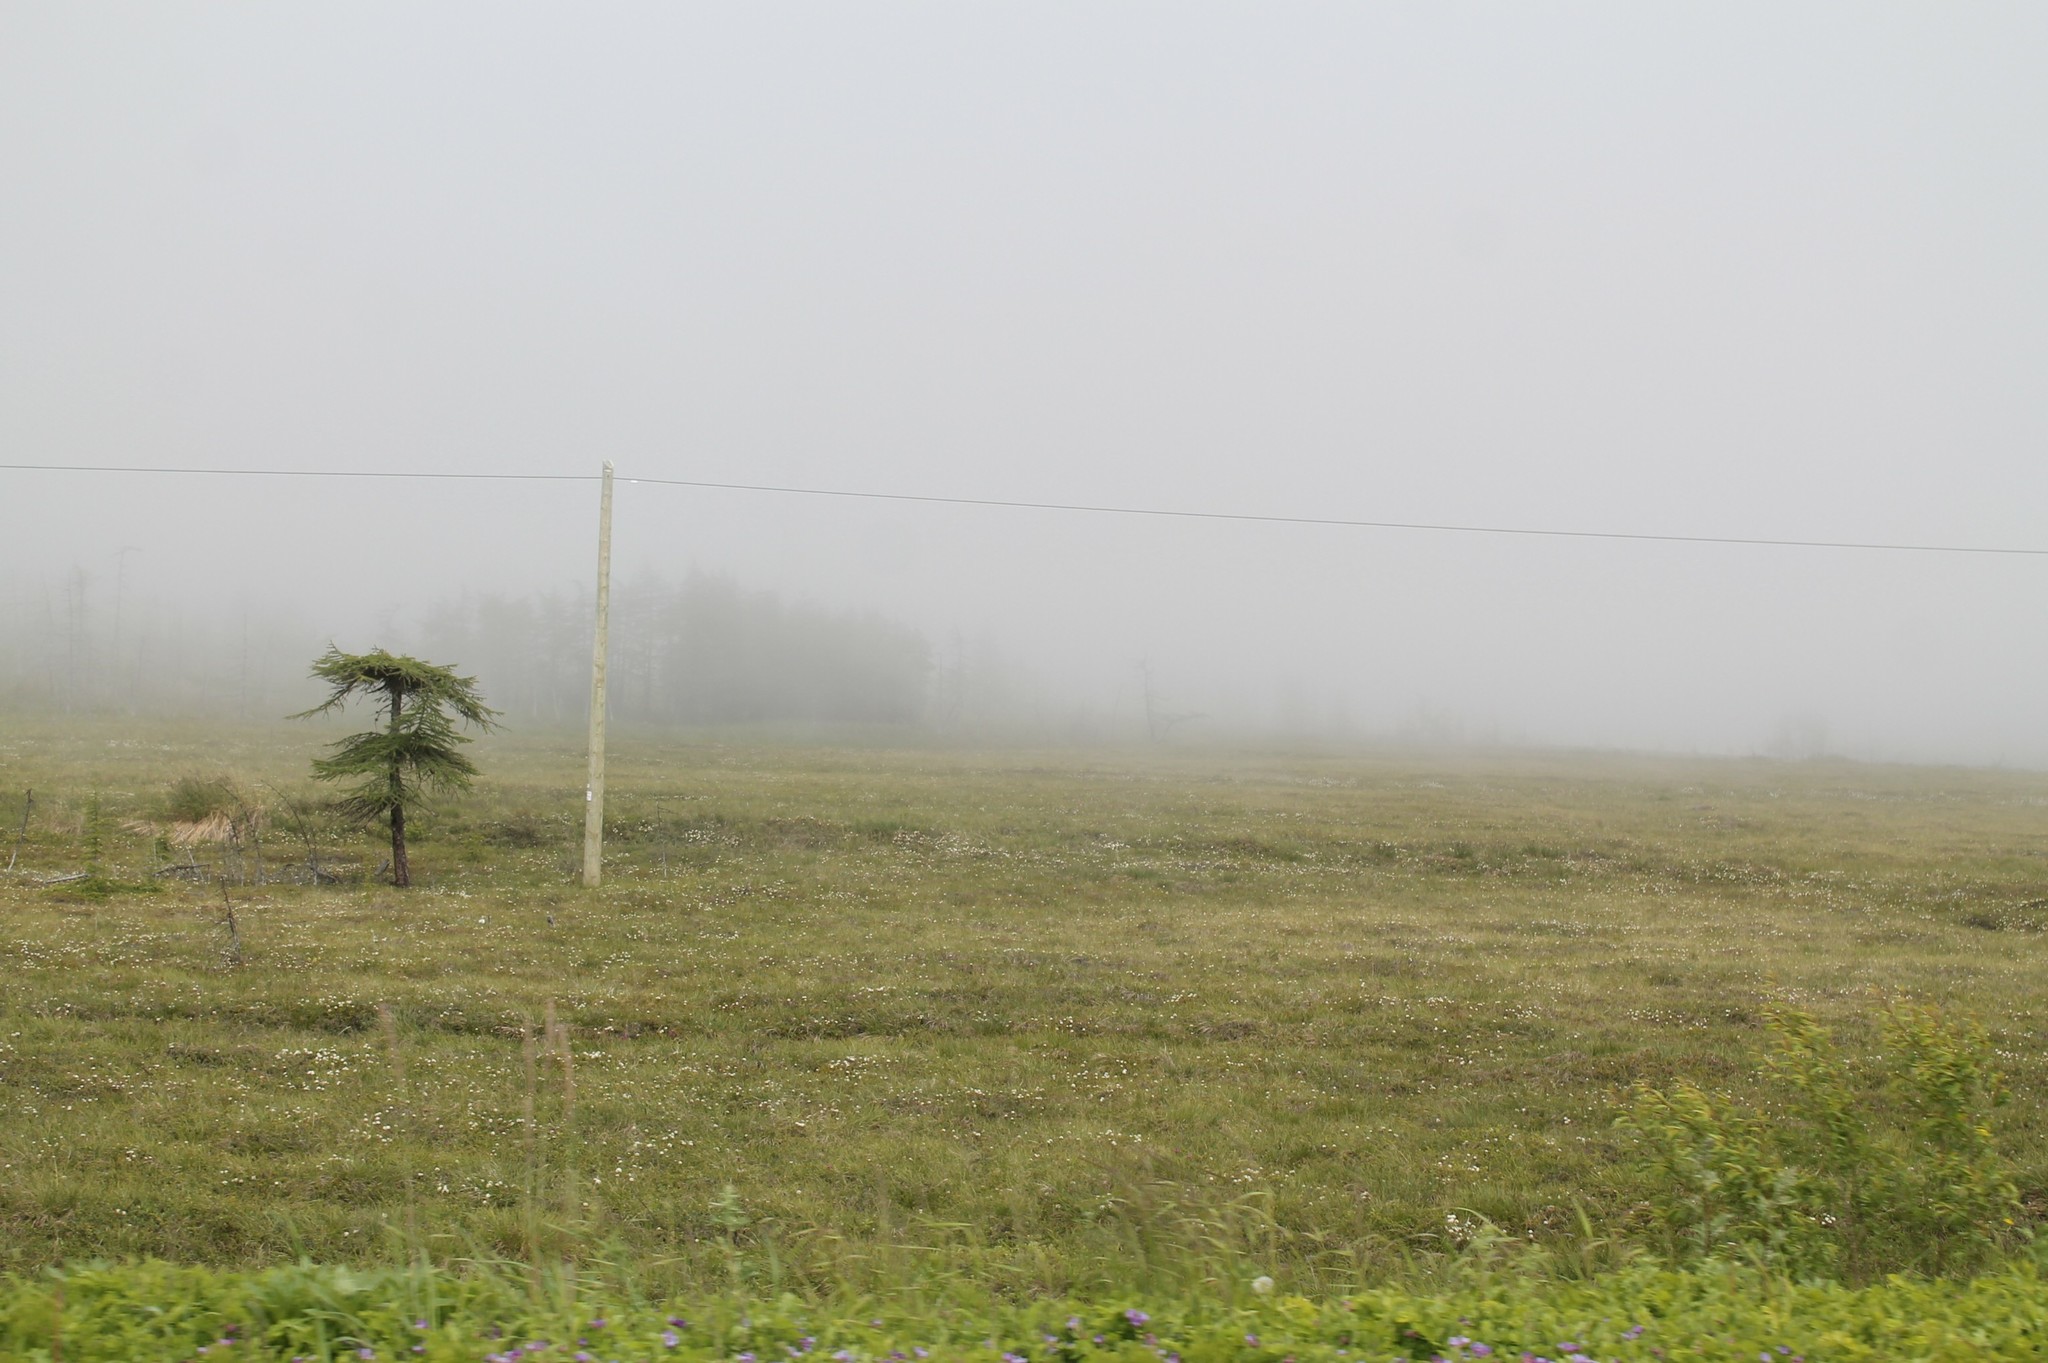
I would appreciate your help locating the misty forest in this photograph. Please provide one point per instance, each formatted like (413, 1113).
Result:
(1023, 684)
(705, 651)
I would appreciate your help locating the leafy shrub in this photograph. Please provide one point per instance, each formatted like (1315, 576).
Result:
(159, 1313)
(1855, 1168)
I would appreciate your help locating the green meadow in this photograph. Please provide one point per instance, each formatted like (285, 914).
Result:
(1055, 1022)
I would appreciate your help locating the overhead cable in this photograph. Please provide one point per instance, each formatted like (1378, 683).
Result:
(1090, 508)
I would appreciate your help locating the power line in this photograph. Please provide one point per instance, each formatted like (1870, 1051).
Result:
(1082, 507)
(1353, 524)
(305, 473)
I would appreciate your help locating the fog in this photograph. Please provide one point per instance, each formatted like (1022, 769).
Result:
(1754, 271)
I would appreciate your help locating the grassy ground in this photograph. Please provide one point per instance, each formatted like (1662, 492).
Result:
(1045, 1018)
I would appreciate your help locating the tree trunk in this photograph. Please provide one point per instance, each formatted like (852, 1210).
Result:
(401, 874)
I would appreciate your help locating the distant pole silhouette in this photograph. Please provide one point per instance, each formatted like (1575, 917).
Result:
(593, 795)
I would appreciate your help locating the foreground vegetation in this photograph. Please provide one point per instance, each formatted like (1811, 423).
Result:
(1053, 1024)
(154, 1313)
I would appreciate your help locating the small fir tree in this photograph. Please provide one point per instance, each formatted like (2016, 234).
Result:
(417, 751)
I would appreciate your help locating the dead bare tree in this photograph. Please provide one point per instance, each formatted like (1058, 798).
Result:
(234, 952)
(302, 826)
(28, 805)
(1160, 723)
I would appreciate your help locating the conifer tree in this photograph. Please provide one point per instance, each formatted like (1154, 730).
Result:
(417, 751)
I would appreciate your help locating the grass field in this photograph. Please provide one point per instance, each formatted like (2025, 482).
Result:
(1057, 1020)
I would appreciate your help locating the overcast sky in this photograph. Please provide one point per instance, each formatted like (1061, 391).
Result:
(1765, 270)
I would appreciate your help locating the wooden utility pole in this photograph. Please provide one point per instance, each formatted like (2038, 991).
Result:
(593, 794)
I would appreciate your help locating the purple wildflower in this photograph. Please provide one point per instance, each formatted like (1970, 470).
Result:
(1252, 1340)
(669, 1339)
(1136, 1317)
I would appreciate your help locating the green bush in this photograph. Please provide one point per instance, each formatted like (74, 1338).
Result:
(195, 799)
(1855, 1168)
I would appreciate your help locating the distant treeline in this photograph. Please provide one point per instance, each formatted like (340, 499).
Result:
(113, 641)
(702, 651)
(705, 650)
